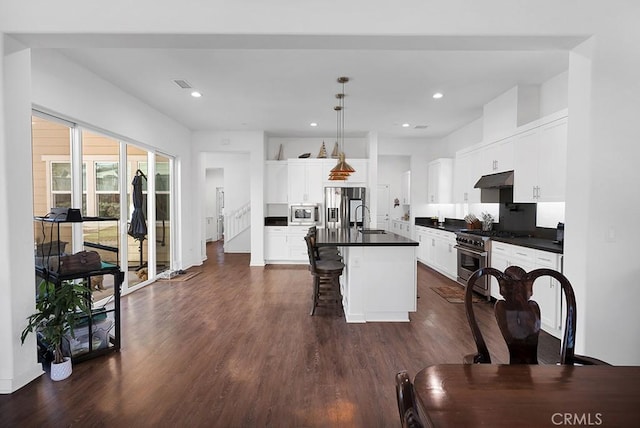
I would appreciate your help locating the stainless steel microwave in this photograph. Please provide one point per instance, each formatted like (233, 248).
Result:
(305, 214)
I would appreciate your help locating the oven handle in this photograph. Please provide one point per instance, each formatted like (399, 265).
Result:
(470, 251)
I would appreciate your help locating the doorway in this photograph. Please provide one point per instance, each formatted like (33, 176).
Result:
(214, 208)
(219, 213)
(383, 207)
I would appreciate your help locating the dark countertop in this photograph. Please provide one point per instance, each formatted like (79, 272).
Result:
(446, 228)
(449, 225)
(276, 221)
(535, 243)
(353, 238)
(453, 225)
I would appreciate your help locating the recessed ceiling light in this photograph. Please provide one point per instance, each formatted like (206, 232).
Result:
(437, 95)
(196, 94)
(313, 124)
(406, 125)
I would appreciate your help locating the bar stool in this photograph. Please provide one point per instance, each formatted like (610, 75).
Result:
(326, 278)
(323, 253)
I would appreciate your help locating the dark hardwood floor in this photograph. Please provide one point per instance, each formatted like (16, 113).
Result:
(235, 347)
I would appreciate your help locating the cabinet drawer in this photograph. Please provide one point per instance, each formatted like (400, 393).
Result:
(524, 253)
(548, 260)
(500, 248)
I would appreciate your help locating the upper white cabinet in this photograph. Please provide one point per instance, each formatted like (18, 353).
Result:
(467, 173)
(540, 158)
(440, 181)
(276, 182)
(305, 180)
(497, 157)
(406, 188)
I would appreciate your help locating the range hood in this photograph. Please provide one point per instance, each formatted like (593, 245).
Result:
(496, 188)
(495, 181)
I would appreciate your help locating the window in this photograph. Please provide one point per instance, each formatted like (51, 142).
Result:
(61, 185)
(107, 189)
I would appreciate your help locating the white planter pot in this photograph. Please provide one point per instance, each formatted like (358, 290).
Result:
(62, 370)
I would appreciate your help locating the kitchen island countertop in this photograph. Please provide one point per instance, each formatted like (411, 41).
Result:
(354, 238)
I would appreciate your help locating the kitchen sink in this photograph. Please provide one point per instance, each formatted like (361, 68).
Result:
(372, 231)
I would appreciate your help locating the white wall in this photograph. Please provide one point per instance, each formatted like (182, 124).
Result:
(18, 364)
(56, 85)
(294, 147)
(66, 89)
(468, 135)
(390, 170)
(236, 181)
(554, 94)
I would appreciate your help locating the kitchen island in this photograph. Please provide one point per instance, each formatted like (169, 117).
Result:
(379, 282)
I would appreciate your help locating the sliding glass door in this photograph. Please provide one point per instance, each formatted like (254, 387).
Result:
(79, 168)
(163, 181)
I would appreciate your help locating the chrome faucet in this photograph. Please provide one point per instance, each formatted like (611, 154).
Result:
(355, 215)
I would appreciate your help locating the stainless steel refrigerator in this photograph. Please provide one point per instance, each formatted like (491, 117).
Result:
(343, 205)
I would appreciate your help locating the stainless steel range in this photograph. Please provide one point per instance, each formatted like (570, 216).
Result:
(474, 250)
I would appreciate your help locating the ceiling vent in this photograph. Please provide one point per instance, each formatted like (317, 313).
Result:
(421, 127)
(182, 83)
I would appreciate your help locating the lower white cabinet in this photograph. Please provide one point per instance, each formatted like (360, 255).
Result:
(436, 250)
(285, 244)
(546, 290)
(275, 243)
(296, 244)
(401, 227)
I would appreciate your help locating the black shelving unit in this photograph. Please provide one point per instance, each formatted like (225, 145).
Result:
(98, 333)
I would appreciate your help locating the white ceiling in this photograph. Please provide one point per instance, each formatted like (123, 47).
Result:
(281, 84)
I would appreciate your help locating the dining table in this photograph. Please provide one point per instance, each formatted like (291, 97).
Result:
(521, 395)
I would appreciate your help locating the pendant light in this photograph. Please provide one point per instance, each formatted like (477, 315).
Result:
(342, 170)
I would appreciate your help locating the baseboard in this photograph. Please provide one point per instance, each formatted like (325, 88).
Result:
(8, 386)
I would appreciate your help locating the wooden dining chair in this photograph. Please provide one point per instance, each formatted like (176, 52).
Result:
(518, 317)
(405, 394)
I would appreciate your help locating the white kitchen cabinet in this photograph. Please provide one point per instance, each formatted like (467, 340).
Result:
(406, 188)
(276, 182)
(401, 227)
(497, 157)
(437, 250)
(540, 159)
(285, 244)
(500, 254)
(305, 181)
(467, 173)
(449, 255)
(275, 243)
(296, 244)
(547, 293)
(440, 181)
(423, 240)
(546, 290)
(359, 177)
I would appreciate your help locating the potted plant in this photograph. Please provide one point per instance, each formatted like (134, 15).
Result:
(57, 313)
